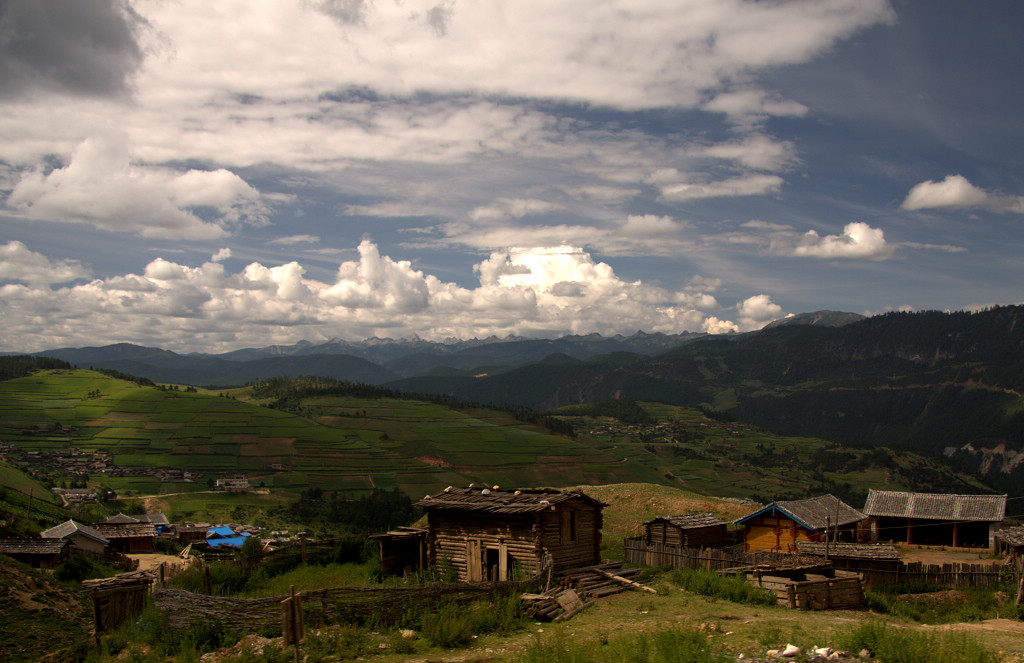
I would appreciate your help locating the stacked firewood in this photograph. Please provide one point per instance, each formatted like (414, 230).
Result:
(578, 588)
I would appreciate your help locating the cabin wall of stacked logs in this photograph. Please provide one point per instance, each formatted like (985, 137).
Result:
(874, 572)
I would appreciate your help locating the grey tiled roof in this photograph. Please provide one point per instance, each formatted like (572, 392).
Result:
(931, 506)
(70, 528)
(815, 513)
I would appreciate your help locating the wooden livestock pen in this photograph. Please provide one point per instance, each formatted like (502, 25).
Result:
(695, 530)
(495, 534)
(833, 590)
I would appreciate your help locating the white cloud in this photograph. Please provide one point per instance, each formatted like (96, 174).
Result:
(958, 193)
(554, 290)
(221, 255)
(295, 239)
(757, 311)
(859, 240)
(512, 208)
(18, 263)
(101, 187)
(749, 185)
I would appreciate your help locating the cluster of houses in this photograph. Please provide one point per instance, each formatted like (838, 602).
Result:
(488, 533)
(118, 535)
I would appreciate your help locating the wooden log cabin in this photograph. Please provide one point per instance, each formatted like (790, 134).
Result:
(495, 534)
(780, 525)
(694, 530)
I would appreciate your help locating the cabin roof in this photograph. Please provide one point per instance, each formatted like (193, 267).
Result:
(1013, 536)
(32, 546)
(930, 506)
(813, 514)
(881, 551)
(70, 528)
(127, 530)
(689, 521)
(503, 501)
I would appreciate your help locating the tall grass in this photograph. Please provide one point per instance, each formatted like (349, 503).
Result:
(454, 625)
(733, 588)
(671, 645)
(893, 645)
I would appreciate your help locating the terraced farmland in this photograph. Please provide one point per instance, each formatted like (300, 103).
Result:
(345, 444)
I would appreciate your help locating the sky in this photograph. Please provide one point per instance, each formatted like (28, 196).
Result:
(207, 176)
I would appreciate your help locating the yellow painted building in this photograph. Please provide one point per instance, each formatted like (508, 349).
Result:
(780, 525)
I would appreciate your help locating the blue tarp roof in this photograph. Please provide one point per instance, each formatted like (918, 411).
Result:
(228, 541)
(222, 531)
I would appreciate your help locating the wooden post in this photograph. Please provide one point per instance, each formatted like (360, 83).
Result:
(206, 579)
(291, 622)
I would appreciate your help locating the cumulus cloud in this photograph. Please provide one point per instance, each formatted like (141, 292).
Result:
(757, 311)
(859, 240)
(103, 188)
(552, 290)
(956, 192)
(18, 263)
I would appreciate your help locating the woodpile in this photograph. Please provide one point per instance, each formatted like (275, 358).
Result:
(577, 590)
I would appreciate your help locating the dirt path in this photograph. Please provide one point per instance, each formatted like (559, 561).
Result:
(148, 561)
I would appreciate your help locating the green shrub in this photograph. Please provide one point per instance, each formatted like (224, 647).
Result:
(894, 645)
(733, 588)
(337, 643)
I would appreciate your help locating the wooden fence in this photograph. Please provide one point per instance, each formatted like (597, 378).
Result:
(327, 606)
(875, 572)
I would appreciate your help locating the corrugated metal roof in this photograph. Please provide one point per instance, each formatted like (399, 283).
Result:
(501, 501)
(70, 528)
(814, 514)
(931, 506)
(690, 520)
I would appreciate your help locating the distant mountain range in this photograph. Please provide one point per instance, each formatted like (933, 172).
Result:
(373, 361)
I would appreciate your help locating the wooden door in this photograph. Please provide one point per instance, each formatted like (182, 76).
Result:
(474, 561)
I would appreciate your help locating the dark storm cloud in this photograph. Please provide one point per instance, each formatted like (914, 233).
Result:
(348, 12)
(80, 46)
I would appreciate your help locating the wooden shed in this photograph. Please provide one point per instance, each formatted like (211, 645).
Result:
(37, 552)
(780, 525)
(935, 519)
(1010, 541)
(129, 537)
(695, 530)
(491, 534)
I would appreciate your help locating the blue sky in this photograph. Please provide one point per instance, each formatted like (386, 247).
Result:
(209, 176)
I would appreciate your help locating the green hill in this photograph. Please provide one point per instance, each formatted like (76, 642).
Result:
(351, 439)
